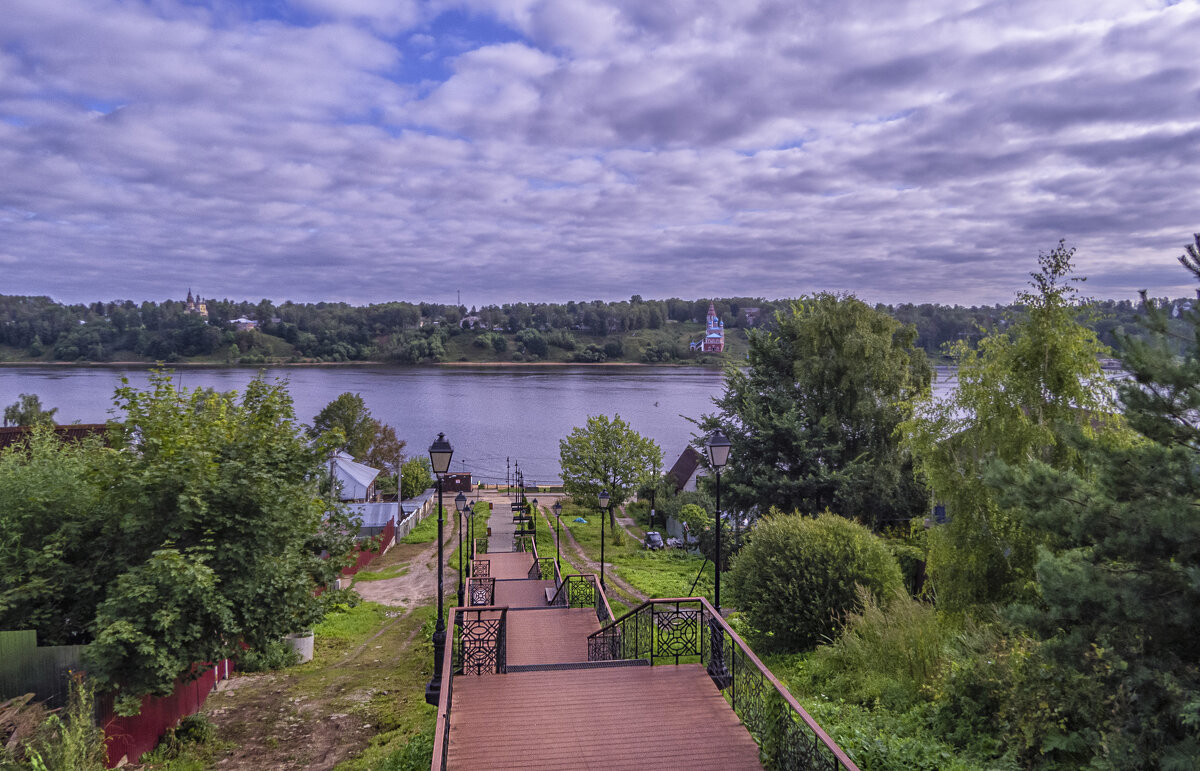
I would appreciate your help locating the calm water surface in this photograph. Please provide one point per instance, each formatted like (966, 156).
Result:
(488, 413)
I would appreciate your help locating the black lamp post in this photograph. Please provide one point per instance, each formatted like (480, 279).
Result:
(557, 524)
(533, 519)
(718, 456)
(440, 453)
(604, 499)
(460, 503)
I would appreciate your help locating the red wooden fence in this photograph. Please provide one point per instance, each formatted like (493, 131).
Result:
(129, 737)
(363, 556)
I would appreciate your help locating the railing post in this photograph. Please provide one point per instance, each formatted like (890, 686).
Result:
(716, 660)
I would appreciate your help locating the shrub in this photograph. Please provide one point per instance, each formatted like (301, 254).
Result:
(273, 655)
(889, 655)
(796, 577)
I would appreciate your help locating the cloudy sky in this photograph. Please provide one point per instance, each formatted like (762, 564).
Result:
(370, 150)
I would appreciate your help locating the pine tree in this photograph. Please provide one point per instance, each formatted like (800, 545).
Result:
(1120, 590)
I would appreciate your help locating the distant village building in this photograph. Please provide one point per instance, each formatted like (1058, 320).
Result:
(751, 315)
(196, 306)
(243, 323)
(714, 334)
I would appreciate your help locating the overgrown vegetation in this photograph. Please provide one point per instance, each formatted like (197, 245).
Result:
(195, 528)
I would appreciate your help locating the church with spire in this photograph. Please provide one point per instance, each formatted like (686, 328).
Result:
(714, 334)
(196, 305)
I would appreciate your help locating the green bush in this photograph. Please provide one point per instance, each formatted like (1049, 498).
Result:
(1002, 692)
(274, 655)
(796, 577)
(888, 655)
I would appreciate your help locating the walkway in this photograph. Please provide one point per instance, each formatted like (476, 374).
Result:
(553, 709)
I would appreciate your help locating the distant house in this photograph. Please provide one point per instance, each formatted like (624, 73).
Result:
(751, 316)
(471, 322)
(243, 323)
(354, 481)
(684, 472)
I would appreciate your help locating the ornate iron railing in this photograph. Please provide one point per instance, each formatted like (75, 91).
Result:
(481, 545)
(481, 568)
(583, 591)
(441, 734)
(481, 591)
(480, 646)
(669, 630)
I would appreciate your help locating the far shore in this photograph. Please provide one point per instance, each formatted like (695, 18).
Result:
(362, 363)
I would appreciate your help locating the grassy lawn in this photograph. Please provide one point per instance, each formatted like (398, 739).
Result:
(425, 531)
(667, 573)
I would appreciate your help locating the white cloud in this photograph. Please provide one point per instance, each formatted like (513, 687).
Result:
(903, 150)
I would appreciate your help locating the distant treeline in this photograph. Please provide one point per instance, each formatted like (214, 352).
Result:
(37, 328)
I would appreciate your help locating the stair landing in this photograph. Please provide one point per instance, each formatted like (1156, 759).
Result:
(624, 717)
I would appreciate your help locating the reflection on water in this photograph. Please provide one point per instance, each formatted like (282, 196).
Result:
(488, 413)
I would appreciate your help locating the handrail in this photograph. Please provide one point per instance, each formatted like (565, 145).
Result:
(481, 590)
(769, 713)
(441, 731)
(598, 599)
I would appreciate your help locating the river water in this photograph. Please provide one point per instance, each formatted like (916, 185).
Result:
(489, 414)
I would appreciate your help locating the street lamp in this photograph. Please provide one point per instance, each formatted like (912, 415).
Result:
(533, 519)
(440, 453)
(604, 499)
(557, 524)
(460, 503)
(718, 456)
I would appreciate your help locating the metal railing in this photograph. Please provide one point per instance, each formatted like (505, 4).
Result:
(583, 591)
(481, 590)
(481, 545)
(479, 647)
(669, 630)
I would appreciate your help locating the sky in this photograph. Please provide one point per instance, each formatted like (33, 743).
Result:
(552, 150)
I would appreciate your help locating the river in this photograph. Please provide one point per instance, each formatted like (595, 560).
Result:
(489, 414)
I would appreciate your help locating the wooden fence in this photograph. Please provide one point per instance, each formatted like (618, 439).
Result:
(44, 671)
(363, 556)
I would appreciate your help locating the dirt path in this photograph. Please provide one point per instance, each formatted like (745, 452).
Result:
(317, 716)
(583, 562)
(419, 584)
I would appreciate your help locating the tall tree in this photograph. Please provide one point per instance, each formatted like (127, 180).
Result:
(606, 454)
(1017, 393)
(27, 410)
(1119, 598)
(347, 413)
(813, 411)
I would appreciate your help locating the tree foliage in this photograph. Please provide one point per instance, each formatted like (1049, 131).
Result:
(199, 527)
(796, 577)
(27, 410)
(1017, 393)
(347, 424)
(1119, 596)
(606, 454)
(812, 414)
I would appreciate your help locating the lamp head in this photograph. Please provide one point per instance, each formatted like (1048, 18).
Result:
(460, 501)
(440, 453)
(718, 450)
(604, 499)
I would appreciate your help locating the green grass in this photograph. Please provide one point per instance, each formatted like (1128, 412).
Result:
(424, 532)
(391, 571)
(667, 573)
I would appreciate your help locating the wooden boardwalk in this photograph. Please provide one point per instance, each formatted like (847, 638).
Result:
(553, 710)
(613, 718)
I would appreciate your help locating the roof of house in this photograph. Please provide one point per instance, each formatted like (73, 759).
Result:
(685, 467)
(354, 477)
(76, 432)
